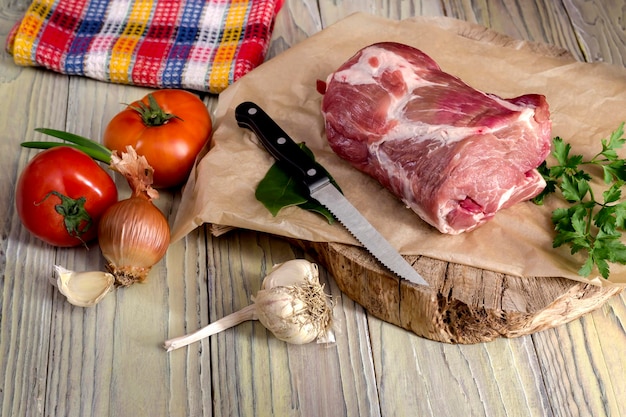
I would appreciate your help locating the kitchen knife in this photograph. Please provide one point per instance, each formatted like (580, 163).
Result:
(295, 161)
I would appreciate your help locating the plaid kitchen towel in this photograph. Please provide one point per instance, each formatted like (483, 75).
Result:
(202, 45)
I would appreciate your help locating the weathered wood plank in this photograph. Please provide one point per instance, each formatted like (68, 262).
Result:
(117, 342)
(25, 293)
(535, 399)
(58, 360)
(587, 40)
(453, 380)
(536, 20)
(600, 28)
(575, 370)
(287, 379)
(296, 21)
(609, 324)
(333, 11)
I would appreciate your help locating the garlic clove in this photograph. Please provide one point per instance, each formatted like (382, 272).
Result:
(286, 316)
(292, 272)
(83, 289)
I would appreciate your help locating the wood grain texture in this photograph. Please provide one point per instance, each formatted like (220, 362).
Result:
(600, 29)
(462, 304)
(59, 360)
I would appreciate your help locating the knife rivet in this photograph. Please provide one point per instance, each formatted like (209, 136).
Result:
(281, 141)
(311, 172)
(252, 110)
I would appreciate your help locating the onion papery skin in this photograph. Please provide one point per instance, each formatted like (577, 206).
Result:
(133, 235)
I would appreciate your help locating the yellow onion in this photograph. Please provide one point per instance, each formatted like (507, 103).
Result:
(133, 234)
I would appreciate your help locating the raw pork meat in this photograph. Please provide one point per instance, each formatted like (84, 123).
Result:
(453, 154)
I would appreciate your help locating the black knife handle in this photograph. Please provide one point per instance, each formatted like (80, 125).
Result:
(286, 152)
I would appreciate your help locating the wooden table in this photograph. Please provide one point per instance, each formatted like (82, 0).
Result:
(61, 360)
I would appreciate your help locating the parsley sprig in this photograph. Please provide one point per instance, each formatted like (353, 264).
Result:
(589, 225)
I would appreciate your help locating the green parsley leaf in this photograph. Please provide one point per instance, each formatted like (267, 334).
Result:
(613, 194)
(574, 188)
(614, 171)
(616, 141)
(620, 215)
(551, 183)
(588, 225)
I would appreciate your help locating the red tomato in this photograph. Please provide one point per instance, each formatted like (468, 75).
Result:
(169, 130)
(61, 195)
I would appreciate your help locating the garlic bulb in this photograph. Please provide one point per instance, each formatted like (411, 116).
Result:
(291, 304)
(83, 289)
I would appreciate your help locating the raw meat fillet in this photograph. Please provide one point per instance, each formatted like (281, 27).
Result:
(453, 154)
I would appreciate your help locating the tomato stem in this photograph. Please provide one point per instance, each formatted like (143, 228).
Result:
(75, 217)
(152, 114)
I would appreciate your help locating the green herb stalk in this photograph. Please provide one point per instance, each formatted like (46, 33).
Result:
(589, 225)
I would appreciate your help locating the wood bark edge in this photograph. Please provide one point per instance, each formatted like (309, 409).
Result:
(463, 305)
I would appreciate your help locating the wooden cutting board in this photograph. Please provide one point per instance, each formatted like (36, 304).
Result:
(463, 304)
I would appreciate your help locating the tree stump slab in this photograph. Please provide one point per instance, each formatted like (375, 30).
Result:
(463, 304)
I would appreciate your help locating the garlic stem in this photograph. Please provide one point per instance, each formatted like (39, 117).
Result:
(245, 314)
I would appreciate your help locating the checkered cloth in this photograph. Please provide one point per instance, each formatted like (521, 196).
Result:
(202, 45)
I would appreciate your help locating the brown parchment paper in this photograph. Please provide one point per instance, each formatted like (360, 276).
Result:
(587, 102)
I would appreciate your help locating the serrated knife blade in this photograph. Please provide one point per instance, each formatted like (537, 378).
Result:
(296, 161)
